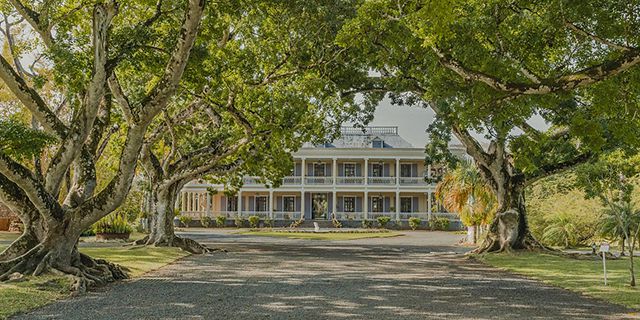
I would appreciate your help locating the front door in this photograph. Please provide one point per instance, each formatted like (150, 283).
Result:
(320, 205)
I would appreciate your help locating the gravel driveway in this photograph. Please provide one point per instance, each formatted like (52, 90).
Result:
(271, 278)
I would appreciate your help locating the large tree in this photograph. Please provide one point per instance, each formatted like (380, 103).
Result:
(85, 44)
(490, 66)
(266, 86)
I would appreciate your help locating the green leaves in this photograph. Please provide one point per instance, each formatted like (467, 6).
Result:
(20, 142)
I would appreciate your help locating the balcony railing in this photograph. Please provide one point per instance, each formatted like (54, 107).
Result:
(292, 180)
(350, 180)
(282, 215)
(349, 215)
(318, 180)
(382, 180)
(252, 181)
(412, 181)
(375, 215)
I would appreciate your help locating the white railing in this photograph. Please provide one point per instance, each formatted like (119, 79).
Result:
(375, 215)
(348, 215)
(350, 180)
(382, 180)
(192, 214)
(281, 215)
(246, 214)
(251, 181)
(412, 181)
(292, 180)
(318, 180)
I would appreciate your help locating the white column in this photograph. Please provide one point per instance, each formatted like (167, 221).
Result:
(365, 205)
(334, 206)
(239, 203)
(397, 171)
(302, 203)
(429, 171)
(397, 205)
(334, 171)
(429, 204)
(183, 204)
(207, 198)
(366, 171)
(270, 204)
(303, 171)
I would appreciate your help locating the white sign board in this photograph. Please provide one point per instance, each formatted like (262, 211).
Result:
(604, 247)
(316, 227)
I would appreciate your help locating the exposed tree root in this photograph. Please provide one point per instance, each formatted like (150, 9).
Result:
(84, 270)
(506, 234)
(185, 244)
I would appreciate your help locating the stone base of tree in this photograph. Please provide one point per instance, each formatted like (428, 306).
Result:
(185, 244)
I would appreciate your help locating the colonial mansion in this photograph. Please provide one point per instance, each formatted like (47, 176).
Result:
(362, 175)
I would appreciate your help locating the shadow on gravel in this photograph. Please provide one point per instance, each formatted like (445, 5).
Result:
(327, 281)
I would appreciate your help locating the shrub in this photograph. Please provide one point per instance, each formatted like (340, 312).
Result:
(296, 223)
(205, 221)
(221, 221)
(268, 223)
(254, 221)
(383, 221)
(88, 233)
(238, 221)
(113, 223)
(367, 224)
(414, 223)
(185, 220)
(439, 223)
(336, 223)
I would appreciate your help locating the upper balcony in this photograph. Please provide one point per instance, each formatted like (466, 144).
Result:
(343, 181)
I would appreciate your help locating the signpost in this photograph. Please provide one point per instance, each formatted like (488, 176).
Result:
(604, 248)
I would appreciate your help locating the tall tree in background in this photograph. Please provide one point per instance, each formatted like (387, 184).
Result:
(490, 66)
(85, 44)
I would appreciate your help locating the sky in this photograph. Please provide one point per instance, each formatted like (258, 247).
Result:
(412, 122)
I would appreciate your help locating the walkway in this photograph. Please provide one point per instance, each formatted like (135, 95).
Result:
(270, 278)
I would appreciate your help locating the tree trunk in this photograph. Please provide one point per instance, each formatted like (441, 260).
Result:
(56, 251)
(509, 229)
(161, 216)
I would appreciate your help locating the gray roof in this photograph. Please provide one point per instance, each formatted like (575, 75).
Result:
(357, 138)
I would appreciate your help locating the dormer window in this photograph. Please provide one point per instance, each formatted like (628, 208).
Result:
(377, 143)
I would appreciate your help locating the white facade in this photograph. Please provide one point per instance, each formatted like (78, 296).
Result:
(359, 176)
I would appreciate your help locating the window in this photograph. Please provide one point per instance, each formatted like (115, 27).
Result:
(349, 204)
(377, 169)
(232, 203)
(406, 170)
(261, 203)
(406, 204)
(289, 203)
(377, 143)
(377, 204)
(349, 169)
(318, 169)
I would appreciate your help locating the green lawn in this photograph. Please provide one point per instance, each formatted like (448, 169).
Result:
(322, 235)
(582, 276)
(23, 296)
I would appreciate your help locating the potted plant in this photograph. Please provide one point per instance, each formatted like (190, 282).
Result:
(112, 227)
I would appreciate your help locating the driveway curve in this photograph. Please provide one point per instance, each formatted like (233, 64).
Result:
(418, 276)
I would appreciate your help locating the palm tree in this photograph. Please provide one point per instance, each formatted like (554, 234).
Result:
(464, 192)
(561, 230)
(625, 215)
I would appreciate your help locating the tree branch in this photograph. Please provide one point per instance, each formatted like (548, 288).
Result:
(596, 38)
(567, 82)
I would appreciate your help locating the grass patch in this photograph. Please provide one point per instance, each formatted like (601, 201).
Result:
(581, 276)
(38, 291)
(322, 235)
